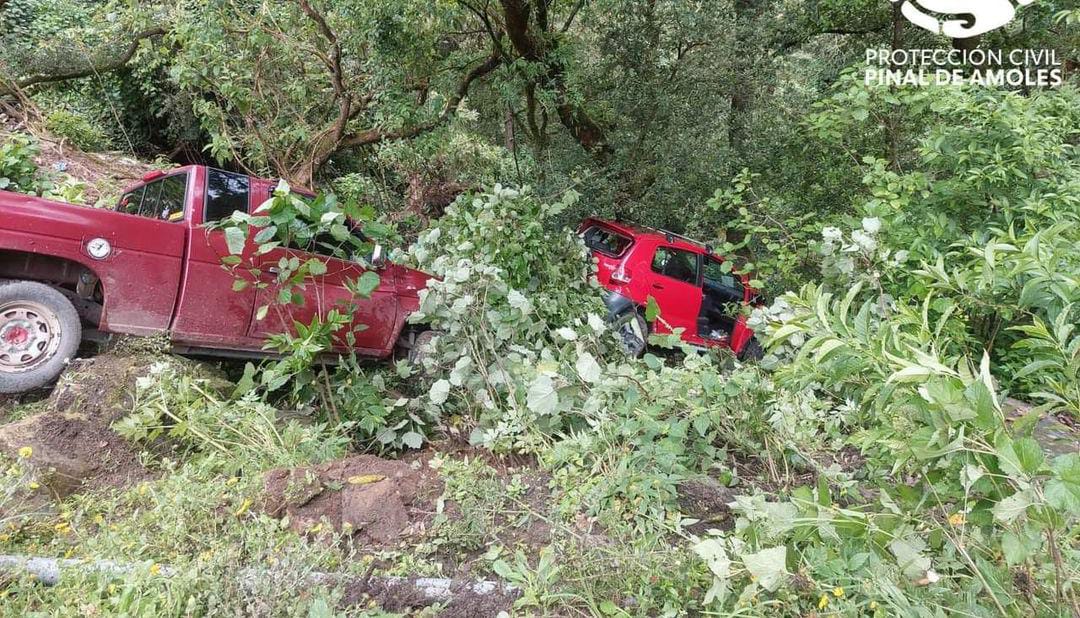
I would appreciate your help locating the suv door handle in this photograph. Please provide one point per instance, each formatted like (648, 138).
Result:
(658, 286)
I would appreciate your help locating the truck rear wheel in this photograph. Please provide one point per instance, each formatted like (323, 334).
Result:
(39, 333)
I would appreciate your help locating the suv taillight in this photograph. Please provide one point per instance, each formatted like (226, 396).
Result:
(620, 276)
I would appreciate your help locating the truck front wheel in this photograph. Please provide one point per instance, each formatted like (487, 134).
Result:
(39, 333)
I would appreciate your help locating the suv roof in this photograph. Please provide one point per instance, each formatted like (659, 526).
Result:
(635, 231)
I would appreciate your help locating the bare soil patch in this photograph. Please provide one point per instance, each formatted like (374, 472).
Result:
(73, 445)
(379, 501)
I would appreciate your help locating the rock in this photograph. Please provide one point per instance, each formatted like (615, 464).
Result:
(1056, 435)
(375, 510)
(706, 500)
(376, 499)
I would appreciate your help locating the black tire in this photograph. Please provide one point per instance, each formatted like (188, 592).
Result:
(752, 351)
(632, 332)
(40, 332)
(421, 348)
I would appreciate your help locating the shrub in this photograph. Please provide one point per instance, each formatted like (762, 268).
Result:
(241, 433)
(76, 129)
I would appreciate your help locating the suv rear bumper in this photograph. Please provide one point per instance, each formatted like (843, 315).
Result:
(617, 304)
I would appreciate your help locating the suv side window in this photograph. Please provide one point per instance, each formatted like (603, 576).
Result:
(676, 263)
(225, 194)
(725, 285)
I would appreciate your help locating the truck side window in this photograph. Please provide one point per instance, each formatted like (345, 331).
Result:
(131, 201)
(173, 192)
(164, 199)
(225, 194)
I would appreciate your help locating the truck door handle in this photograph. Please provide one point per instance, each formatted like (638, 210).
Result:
(658, 286)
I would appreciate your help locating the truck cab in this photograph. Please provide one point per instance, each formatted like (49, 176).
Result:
(153, 265)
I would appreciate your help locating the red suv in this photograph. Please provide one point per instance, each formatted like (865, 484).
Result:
(697, 293)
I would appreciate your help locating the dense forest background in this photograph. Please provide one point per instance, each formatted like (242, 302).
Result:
(652, 106)
(907, 447)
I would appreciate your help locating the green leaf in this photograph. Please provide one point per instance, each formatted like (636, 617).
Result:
(1062, 491)
(316, 267)
(915, 373)
(1008, 509)
(588, 368)
(239, 285)
(235, 240)
(439, 392)
(1018, 458)
(769, 566)
(412, 439)
(652, 309)
(909, 556)
(1014, 548)
(542, 397)
(608, 608)
(366, 284)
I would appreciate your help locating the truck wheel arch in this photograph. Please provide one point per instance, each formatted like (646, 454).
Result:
(77, 280)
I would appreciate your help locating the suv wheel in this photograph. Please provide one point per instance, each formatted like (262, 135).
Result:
(421, 348)
(39, 333)
(752, 351)
(633, 333)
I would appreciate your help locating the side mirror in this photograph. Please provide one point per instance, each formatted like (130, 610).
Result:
(378, 260)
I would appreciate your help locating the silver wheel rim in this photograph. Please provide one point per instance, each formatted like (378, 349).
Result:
(29, 336)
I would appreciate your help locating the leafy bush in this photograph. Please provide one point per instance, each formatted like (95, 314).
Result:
(76, 129)
(241, 433)
(18, 172)
(514, 307)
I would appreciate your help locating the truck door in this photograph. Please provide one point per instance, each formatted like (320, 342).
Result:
(673, 282)
(373, 320)
(210, 312)
(144, 266)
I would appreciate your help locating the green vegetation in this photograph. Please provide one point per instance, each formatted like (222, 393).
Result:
(898, 452)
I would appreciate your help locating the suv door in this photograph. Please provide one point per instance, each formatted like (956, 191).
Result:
(723, 297)
(674, 283)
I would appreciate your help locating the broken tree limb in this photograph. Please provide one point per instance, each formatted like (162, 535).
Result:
(49, 571)
(111, 62)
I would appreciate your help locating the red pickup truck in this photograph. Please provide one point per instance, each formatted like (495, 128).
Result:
(153, 265)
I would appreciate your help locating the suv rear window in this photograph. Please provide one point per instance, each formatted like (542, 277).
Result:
(606, 241)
